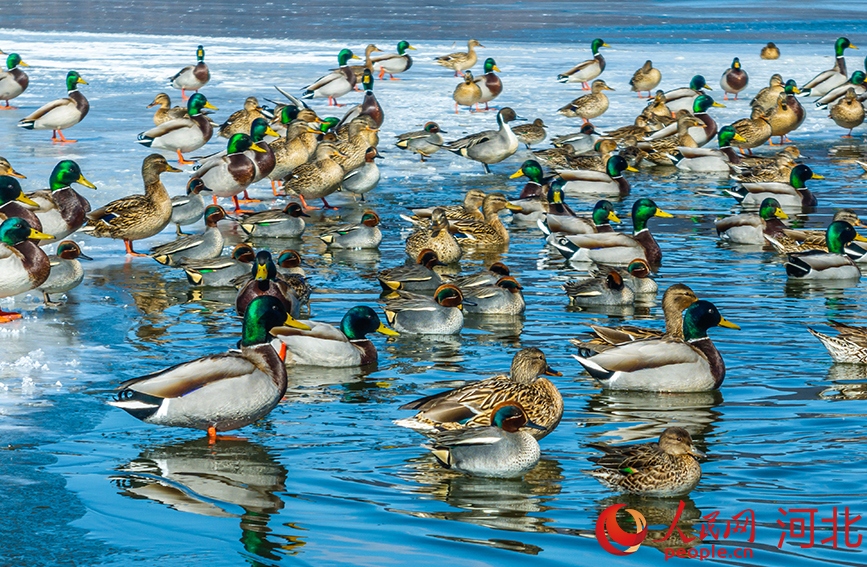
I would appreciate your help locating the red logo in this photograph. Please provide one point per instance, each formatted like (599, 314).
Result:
(608, 522)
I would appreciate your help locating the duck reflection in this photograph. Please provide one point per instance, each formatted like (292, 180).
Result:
(849, 382)
(834, 291)
(660, 514)
(505, 329)
(439, 349)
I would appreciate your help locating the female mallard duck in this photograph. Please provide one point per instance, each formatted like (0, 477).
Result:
(228, 175)
(466, 93)
(137, 216)
(848, 113)
(352, 150)
(276, 223)
(165, 112)
(359, 236)
(691, 364)
(502, 298)
(264, 280)
(658, 107)
(435, 236)
(7, 169)
(422, 315)
(66, 271)
(241, 121)
(60, 114)
(849, 346)
(855, 82)
(734, 79)
(708, 159)
(500, 450)
(23, 264)
(295, 148)
(656, 470)
(368, 64)
(189, 208)
(561, 218)
(62, 210)
(334, 84)
(748, 228)
(326, 345)
(489, 83)
(581, 142)
(789, 113)
(316, 179)
(220, 271)
(659, 151)
(473, 405)
(586, 70)
(588, 106)
(793, 194)
(424, 142)
(645, 79)
(770, 51)
(460, 61)
(364, 179)
(192, 77)
(683, 98)
(218, 392)
(834, 77)
(602, 289)
(529, 134)
(615, 247)
(587, 181)
(393, 63)
(369, 105)
(182, 134)
(487, 232)
(490, 146)
(565, 158)
(639, 129)
(413, 277)
(767, 97)
(468, 211)
(833, 264)
(13, 81)
(204, 246)
(755, 130)
(703, 133)
(14, 203)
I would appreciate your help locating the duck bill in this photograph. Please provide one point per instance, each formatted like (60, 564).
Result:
(817, 176)
(410, 47)
(211, 106)
(81, 81)
(728, 324)
(630, 168)
(270, 132)
(605, 45)
(13, 173)
(708, 88)
(661, 213)
(82, 181)
(386, 331)
(83, 256)
(291, 322)
(23, 64)
(551, 372)
(517, 174)
(36, 235)
(737, 137)
(261, 272)
(796, 90)
(718, 105)
(612, 217)
(607, 88)
(696, 453)
(512, 207)
(534, 425)
(495, 68)
(780, 214)
(170, 169)
(256, 148)
(860, 238)
(22, 198)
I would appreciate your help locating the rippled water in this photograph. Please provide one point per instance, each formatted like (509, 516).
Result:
(326, 478)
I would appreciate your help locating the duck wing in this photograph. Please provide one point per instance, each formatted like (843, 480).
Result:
(187, 377)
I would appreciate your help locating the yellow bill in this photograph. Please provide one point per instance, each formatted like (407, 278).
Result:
(36, 235)
(82, 181)
(22, 198)
(727, 324)
(612, 217)
(292, 322)
(386, 331)
(661, 213)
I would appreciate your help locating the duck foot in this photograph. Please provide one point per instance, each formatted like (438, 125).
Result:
(180, 232)
(129, 250)
(326, 206)
(248, 199)
(274, 188)
(184, 95)
(57, 136)
(7, 107)
(392, 77)
(306, 206)
(49, 303)
(6, 317)
(238, 210)
(183, 161)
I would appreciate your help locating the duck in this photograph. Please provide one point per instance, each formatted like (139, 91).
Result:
(501, 450)
(166, 112)
(416, 314)
(658, 107)
(435, 236)
(503, 298)
(13, 81)
(848, 113)
(295, 148)
(588, 106)
(748, 228)
(581, 142)
(413, 277)
(586, 70)
(834, 77)
(490, 231)
(424, 142)
(855, 82)
(138, 216)
(62, 210)
(241, 121)
(7, 169)
(358, 236)
(220, 271)
(369, 105)
(831, 265)
(469, 210)
(770, 51)
(789, 113)
(204, 246)
(368, 64)
(615, 247)
(702, 133)
(709, 159)
(182, 135)
(848, 346)
(230, 174)
(335, 84)
(263, 162)
(287, 222)
(767, 97)
(587, 181)
(61, 113)
(24, 265)
(636, 276)
(393, 63)
(793, 194)
(192, 77)
(66, 271)
(645, 79)
(490, 146)
(734, 79)
(657, 470)
(562, 219)
(602, 289)
(489, 84)
(218, 392)
(789, 240)
(565, 158)
(755, 130)
(659, 150)
(494, 273)
(473, 405)
(532, 197)
(325, 345)
(364, 179)
(14, 203)
(466, 93)
(188, 209)
(265, 281)
(530, 134)
(684, 97)
(460, 61)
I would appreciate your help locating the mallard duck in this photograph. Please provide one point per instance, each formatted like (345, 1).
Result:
(276, 223)
(316, 179)
(460, 61)
(490, 146)
(62, 210)
(466, 93)
(435, 236)
(14, 203)
(734, 79)
(369, 106)
(294, 149)
(192, 77)
(23, 264)
(767, 97)
(602, 289)
(60, 114)
(636, 276)
(204, 246)
(264, 280)
(334, 84)
(586, 70)
(748, 228)
(615, 247)
(831, 265)
(783, 158)
(352, 150)
(834, 77)
(639, 129)
(581, 142)
(792, 194)
(595, 161)
(422, 315)
(13, 81)
(588, 106)
(702, 133)
(425, 142)
(855, 82)
(691, 364)
(609, 182)
(230, 174)
(658, 470)
(532, 199)
(708, 159)
(500, 450)
(755, 130)
(413, 277)
(529, 134)
(502, 298)
(240, 121)
(66, 271)
(137, 216)
(364, 179)
(220, 271)
(218, 392)
(658, 107)
(683, 98)
(559, 156)
(848, 113)
(848, 346)
(166, 112)
(468, 210)
(770, 51)
(788, 114)
(182, 134)
(188, 209)
(363, 235)
(7, 169)
(489, 83)
(487, 232)
(645, 79)
(265, 161)
(789, 240)
(326, 345)
(368, 64)
(659, 150)
(473, 405)
(393, 63)
(561, 218)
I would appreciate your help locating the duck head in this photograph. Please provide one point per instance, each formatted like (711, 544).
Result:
(698, 83)
(16, 230)
(240, 143)
(361, 320)
(596, 44)
(510, 417)
(726, 135)
(14, 60)
(642, 211)
(449, 295)
(603, 213)
(701, 316)
(800, 174)
(770, 208)
(839, 234)
(294, 210)
(345, 55)
(841, 44)
(490, 65)
(264, 268)
(531, 169)
(263, 314)
(197, 102)
(403, 46)
(528, 364)
(289, 259)
(10, 190)
(260, 128)
(73, 79)
(677, 441)
(214, 214)
(69, 250)
(703, 102)
(200, 53)
(243, 253)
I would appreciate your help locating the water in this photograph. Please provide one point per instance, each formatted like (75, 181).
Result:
(327, 478)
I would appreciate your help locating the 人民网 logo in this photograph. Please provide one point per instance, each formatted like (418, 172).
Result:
(607, 522)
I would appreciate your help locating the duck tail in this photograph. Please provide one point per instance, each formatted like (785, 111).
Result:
(797, 268)
(594, 369)
(402, 144)
(308, 94)
(28, 124)
(543, 226)
(566, 248)
(562, 78)
(195, 278)
(145, 140)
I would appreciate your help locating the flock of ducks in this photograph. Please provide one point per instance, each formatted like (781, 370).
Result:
(490, 427)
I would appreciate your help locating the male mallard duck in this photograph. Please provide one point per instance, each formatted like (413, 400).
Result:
(263, 162)
(240, 121)
(848, 113)
(532, 197)
(487, 232)
(755, 130)
(393, 63)
(165, 112)
(767, 97)
(62, 113)
(326, 345)
(473, 405)
(468, 211)
(749, 228)
(220, 271)
(834, 77)
(192, 77)
(702, 133)
(609, 182)
(708, 159)
(422, 315)
(602, 289)
(586, 70)
(645, 79)
(561, 218)
(14, 203)
(13, 81)
(855, 82)
(23, 264)
(264, 280)
(489, 83)
(62, 210)
(318, 178)
(529, 134)
(424, 142)
(189, 208)
(137, 216)
(66, 271)
(500, 450)
(218, 392)
(833, 264)
(182, 134)
(581, 142)
(490, 146)
(413, 277)
(502, 298)
(286, 280)
(369, 105)
(363, 235)
(734, 79)
(659, 470)
(849, 346)
(636, 276)
(7, 169)
(770, 51)
(588, 106)
(691, 364)
(228, 175)
(790, 240)
(364, 179)
(436, 237)
(684, 97)
(204, 246)
(615, 247)
(466, 93)
(276, 223)
(460, 61)
(336, 83)
(792, 194)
